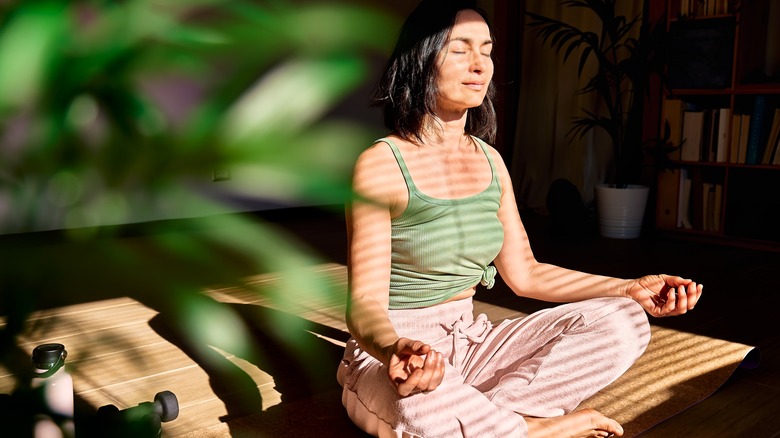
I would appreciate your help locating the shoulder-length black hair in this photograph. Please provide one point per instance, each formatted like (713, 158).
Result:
(407, 89)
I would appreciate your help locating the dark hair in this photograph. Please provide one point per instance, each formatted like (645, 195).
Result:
(407, 89)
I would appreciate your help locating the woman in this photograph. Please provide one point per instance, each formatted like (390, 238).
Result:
(435, 208)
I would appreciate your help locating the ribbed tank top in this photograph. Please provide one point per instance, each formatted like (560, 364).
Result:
(441, 247)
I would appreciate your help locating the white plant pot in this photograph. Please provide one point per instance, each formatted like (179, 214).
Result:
(621, 211)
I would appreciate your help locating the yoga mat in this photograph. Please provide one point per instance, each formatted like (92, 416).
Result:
(677, 371)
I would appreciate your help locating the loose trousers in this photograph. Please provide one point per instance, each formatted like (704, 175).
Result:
(542, 365)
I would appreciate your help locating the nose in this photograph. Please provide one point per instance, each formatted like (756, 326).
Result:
(479, 62)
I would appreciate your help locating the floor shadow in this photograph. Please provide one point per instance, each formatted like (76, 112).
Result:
(285, 346)
(675, 404)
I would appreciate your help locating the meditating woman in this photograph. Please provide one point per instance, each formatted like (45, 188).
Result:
(435, 216)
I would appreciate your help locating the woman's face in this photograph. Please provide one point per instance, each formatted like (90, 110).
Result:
(465, 65)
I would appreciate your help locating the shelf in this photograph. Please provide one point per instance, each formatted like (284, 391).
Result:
(742, 89)
(769, 167)
(715, 164)
(723, 104)
(701, 163)
(701, 91)
(767, 88)
(699, 19)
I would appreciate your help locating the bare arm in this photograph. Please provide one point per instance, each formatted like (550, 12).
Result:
(660, 295)
(368, 232)
(527, 277)
(411, 364)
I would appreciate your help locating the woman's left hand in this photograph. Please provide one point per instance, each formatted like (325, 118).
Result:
(665, 295)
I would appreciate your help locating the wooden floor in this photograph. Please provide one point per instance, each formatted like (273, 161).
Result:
(122, 353)
(740, 304)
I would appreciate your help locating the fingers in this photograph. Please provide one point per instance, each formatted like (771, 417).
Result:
(425, 378)
(687, 297)
(407, 346)
(671, 303)
(682, 298)
(694, 293)
(675, 280)
(396, 370)
(433, 372)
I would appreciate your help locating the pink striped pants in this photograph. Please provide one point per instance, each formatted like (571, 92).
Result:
(542, 365)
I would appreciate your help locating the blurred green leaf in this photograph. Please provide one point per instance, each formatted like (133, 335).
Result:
(29, 40)
(117, 113)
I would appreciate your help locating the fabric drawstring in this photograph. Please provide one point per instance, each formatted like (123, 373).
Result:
(488, 277)
(475, 332)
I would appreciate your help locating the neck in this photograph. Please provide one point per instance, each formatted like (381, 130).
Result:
(448, 132)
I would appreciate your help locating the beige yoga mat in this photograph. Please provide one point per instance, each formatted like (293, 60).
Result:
(677, 371)
(115, 356)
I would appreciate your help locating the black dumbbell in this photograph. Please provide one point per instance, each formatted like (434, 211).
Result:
(144, 420)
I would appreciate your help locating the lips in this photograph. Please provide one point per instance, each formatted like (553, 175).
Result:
(474, 85)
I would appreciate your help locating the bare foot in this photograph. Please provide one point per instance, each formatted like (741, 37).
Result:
(586, 423)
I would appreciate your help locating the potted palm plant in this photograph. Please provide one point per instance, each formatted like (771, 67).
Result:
(626, 55)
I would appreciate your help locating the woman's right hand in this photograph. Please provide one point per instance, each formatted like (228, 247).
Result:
(414, 367)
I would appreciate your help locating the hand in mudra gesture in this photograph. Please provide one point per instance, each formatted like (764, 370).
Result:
(665, 295)
(414, 367)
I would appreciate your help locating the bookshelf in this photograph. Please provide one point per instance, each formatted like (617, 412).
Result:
(722, 106)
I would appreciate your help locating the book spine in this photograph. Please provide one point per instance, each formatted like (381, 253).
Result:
(736, 133)
(724, 130)
(754, 146)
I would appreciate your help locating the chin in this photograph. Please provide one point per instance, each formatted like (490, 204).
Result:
(476, 104)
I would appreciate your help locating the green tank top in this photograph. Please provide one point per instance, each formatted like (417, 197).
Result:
(441, 247)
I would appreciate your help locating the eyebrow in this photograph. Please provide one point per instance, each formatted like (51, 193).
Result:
(469, 40)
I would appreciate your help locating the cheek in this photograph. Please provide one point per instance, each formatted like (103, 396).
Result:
(489, 68)
(446, 80)
(448, 70)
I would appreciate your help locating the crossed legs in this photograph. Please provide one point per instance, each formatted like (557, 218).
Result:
(522, 376)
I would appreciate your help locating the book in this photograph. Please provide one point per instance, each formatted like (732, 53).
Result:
(666, 213)
(693, 126)
(759, 129)
(718, 207)
(673, 117)
(736, 131)
(684, 201)
(722, 7)
(724, 130)
(697, 200)
(776, 158)
(743, 139)
(700, 8)
(713, 203)
(708, 200)
(707, 136)
(771, 143)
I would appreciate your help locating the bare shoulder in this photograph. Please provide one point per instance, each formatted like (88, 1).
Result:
(376, 153)
(498, 160)
(377, 175)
